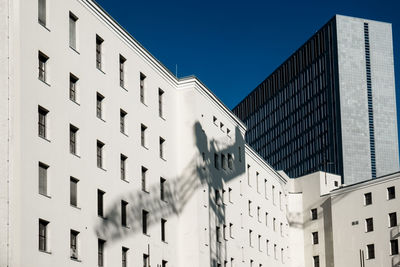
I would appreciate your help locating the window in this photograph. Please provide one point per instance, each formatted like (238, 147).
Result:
(99, 106)
(100, 147)
(72, 30)
(230, 230)
(100, 252)
(230, 195)
(160, 103)
(280, 200)
(367, 199)
(145, 214)
(143, 140)
(274, 224)
(73, 191)
(257, 185)
(394, 247)
(218, 234)
(123, 167)
(163, 224)
(316, 261)
(43, 235)
(267, 246)
(164, 263)
(230, 161)
(250, 237)
(125, 256)
(315, 238)
(42, 122)
(248, 174)
(146, 260)
(162, 188)
(99, 44)
(281, 229)
(73, 81)
(217, 197)
(266, 219)
(122, 61)
(142, 85)
(73, 132)
(216, 161)
(314, 214)
(369, 225)
(43, 67)
(144, 172)
(122, 117)
(224, 235)
(228, 132)
(275, 256)
(100, 200)
(124, 205)
(273, 194)
(391, 192)
(221, 126)
(371, 251)
(392, 219)
(215, 120)
(223, 161)
(74, 244)
(249, 206)
(265, 188)
(258, 214)
(42, 12)
(43, 178)
(259, 242)
(162, 144)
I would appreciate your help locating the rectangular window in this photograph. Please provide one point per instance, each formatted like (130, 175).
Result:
(223, 161)
(394, 247)
(230, 195)
(274, 224)
(266, 219)
(248, 175)
(163, 224)
(100, 200)
(369, 225)
(72, 30)
(145, 214)
(371, 251)
(258, 214)
(392, 219)
(315, 238)
(73, 132)
(142, 85)
(391, 192)
(273, 194)
(160, 103)
(162, 188)
(43, 178)
(164, 263)
(216, 161)
(122, 61)
(314, 214)
(74, 244)
(73, 84)
(124, 205)
(99, 44)
(265, 188)
(259, 242)
(100, 147)
(267, 246)
(100, 252)
(43, 66)
(123, 167)
(99, 106)
(125, 256)
(162, 144)
(217, 197)
(43, 235)
(146, 260)
(122, 121)
(316, 261)
(249, 207)
(144, 173)
(42, 12)
(257, 185)
(143, 140)
(367, 199)
(42, 122)
(73, 191)
(230, 230)
(230, 161)
(250, 237)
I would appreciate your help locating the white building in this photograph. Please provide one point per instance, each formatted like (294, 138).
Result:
(107, 159)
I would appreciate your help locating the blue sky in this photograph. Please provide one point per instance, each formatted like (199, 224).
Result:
(232, 46)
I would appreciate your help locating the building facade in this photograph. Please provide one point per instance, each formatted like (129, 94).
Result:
(107, 159)
(330, 106)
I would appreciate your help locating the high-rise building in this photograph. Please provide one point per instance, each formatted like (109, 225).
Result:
(330, 106)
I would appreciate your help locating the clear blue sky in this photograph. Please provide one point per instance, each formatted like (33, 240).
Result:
(232, 46)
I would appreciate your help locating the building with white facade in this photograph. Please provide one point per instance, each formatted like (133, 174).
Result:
(107, 159)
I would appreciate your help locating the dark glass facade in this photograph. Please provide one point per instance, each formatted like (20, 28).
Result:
(293, 116)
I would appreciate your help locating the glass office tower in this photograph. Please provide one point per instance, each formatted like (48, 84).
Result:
(330, 106)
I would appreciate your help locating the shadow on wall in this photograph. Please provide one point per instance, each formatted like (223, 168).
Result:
(197, 174)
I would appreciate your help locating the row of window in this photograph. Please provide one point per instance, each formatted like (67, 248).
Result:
(74, 247)
(221, 126)
(392, 222)
(390, 194)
